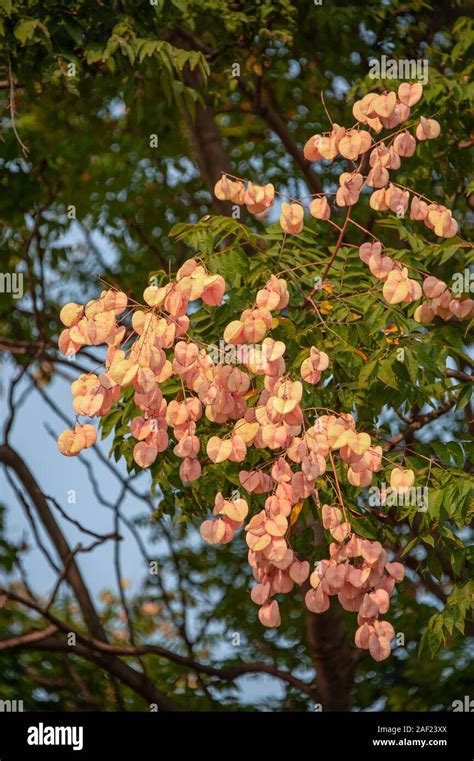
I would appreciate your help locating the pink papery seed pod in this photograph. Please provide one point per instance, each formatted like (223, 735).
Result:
(405, 144)
(319, 208)
(269, 614)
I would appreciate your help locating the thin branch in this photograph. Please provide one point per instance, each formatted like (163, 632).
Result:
(23, 501)
(12, 407)
(459, 375)
(12, 107)
(28, 639)
(100, 537)
(138, 682)
(420, 421)
(229, 673)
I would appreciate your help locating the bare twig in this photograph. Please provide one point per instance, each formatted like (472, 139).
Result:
(12, 107)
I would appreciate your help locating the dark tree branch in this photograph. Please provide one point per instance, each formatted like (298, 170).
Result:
(419, 421)
(267, 112)
(459, 375)
(30, 638)
(123, 671)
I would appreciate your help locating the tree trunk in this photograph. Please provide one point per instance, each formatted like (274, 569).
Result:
(206, 139)
(333, 657)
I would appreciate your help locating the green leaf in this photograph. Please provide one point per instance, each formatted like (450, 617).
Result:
(435, 500)
(457, 559)
(93, 52)
(367, 372)
(108, 422)
(25, 30)
(148, 48)
(428, 539)
(75, 31)
(413, 366)
(412, 543)
(6, 5)
(386, 374)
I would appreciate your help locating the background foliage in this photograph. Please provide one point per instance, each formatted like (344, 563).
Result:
(77, 159)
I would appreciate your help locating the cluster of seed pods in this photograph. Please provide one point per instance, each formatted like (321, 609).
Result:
(267, 414)
(359, 574)
(375, 112)
(259, 398)
(277, 422)
(155, 328)
(71, 442)
(442, 303)
(230, 518)
(378, 112)
(274, 564)
(399, 287)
